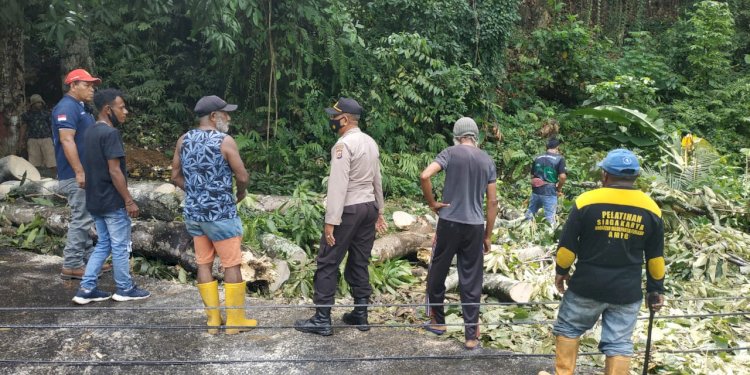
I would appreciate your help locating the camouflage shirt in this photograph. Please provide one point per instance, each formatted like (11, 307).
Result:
(38, 124)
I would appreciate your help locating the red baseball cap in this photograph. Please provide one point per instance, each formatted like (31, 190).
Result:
(81, 75)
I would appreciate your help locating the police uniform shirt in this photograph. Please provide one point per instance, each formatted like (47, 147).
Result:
(355, 174)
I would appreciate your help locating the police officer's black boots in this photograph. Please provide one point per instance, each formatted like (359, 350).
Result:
(358, 316)
(319, 324)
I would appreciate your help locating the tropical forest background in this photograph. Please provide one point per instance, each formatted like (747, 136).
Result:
(599, 74)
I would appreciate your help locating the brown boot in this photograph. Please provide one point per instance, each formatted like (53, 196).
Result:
(566, 353)
(617, 365)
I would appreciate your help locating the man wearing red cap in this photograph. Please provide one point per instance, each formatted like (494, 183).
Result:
(70, 119)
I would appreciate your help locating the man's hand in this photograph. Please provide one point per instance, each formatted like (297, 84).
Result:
(328, 233)
(487, 245)
(381, 225)
(654, 301)
(436, 206)
(241, 194)
(561, 283)
(132, 209)
(81, 179)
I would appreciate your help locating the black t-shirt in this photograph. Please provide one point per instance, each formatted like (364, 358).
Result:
(102, 142)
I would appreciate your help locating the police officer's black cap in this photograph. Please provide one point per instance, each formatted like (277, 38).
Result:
(345, 105)
(212, 103)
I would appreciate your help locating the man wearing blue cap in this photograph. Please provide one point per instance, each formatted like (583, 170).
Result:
(610, 231)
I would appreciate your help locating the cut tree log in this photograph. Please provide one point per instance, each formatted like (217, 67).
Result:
(157, 200)
(7, 186)
(281, 248)
(398, 245)
(166, 241)
(45, 187)
(403, 220)
(498, 286)
(14, 167)
(531, 252)
(266, 203)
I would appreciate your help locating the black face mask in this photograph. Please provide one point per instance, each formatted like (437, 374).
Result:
(335, 125)
(112, 118)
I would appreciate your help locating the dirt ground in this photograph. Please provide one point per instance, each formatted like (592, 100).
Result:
(145, 163)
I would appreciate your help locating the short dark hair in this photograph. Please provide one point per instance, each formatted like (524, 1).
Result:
(105, 97)
(622, 178)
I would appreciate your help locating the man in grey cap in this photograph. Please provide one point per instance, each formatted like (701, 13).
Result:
(36, 135)
(204, 161)
(354, 211)
(470, 175)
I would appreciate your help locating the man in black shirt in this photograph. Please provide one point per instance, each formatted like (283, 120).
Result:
(108, 201)
(610, 231)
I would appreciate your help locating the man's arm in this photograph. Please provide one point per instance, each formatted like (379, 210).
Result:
(177, 177)
(655, 267)
(566, 249)
(68, 143)
(232, 154)
(121, 185)
(425, 181)
(381, 226)
(491, 215)
(561, 178)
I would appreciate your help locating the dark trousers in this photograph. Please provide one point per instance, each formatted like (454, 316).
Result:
(354, 235)
(466, 242)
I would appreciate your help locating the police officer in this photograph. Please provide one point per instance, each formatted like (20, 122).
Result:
(354, 211)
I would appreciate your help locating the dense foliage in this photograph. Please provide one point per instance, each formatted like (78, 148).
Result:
(599, 73)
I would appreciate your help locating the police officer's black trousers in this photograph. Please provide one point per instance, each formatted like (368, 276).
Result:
(354, 235)
(466, 242)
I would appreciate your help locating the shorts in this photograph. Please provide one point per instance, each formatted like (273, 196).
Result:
(222, 238)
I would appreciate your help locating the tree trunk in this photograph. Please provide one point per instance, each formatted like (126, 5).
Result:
(12, 89)
(398, 245)
(76, 54)
(13, 167)
(165, 241)
(498, 286)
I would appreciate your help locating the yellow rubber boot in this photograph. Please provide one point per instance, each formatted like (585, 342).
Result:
(210, 295)
(566, 353)
(617, 365)
(235, 297)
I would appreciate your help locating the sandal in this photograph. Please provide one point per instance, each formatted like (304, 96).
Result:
(428, 326)
(472, 344)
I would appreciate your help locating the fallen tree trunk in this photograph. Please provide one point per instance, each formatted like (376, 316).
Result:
(498, 286)
(157, 200)
(279, 247)
(14, 167)
(166, 241)
(398, 245)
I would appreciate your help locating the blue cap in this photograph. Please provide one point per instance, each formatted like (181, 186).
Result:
(621, 162)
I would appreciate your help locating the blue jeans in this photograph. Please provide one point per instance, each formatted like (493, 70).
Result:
(113, 229)
(578, 314)
(548, 202)
(78, 245)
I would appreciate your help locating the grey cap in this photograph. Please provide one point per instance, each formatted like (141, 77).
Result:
(212, 103)
(36, 98)
(465, 126)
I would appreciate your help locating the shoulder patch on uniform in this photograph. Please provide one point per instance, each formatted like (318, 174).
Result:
(339, 151)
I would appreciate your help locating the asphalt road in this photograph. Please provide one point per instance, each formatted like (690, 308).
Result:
(166, 343)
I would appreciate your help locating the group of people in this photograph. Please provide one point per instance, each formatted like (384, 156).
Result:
(611, 231)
